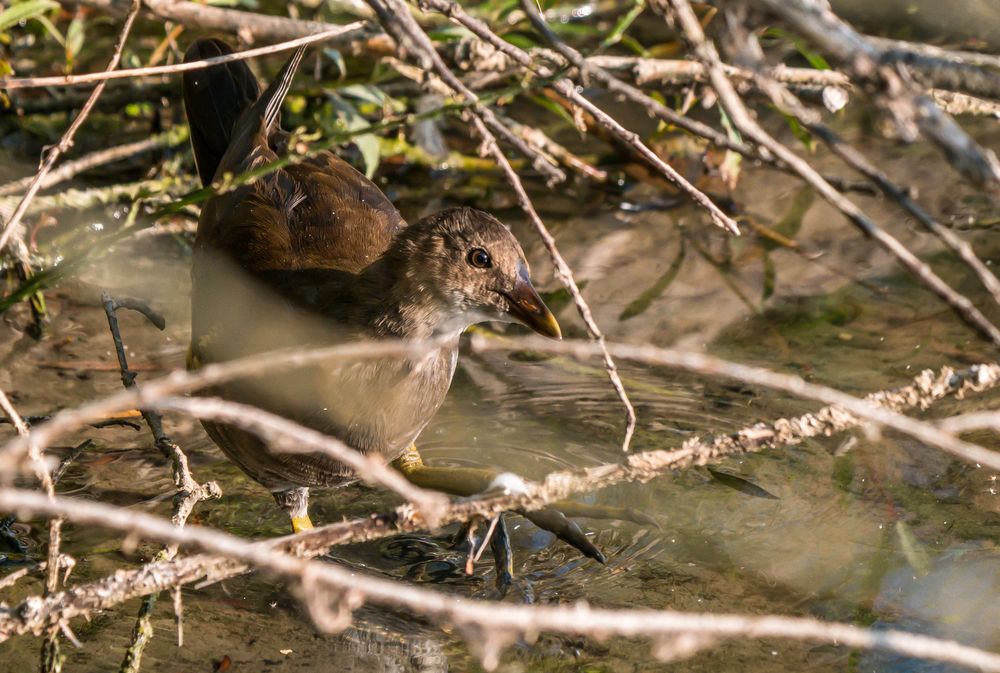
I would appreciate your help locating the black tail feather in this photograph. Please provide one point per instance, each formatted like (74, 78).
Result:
(214, 98)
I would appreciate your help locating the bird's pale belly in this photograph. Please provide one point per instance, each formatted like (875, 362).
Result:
(376, 407)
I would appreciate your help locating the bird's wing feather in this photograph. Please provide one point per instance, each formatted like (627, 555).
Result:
(320, 213)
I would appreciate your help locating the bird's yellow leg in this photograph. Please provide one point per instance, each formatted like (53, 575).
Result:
(462, 481)
(295, 502)
(466, 481)
(301, 523)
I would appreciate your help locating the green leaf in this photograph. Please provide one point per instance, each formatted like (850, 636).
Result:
(740, 484)
(643, 301)
(800, 132)
(520, 40)
(915, 554)
(553, 107)
(364, 92)
(23, 11)
(815, 60)
(338, 60)
(634, 45)
(770, 275)
(623, 24)
(370, 153)
(74, 40)
(367, 144)
(791, 223)
(51, 28)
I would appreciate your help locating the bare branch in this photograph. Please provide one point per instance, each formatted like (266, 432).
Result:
(72, 80)
(909, 107)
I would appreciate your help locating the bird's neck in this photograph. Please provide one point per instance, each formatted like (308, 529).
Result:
(409, 307)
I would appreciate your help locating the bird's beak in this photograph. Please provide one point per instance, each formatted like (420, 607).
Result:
(527, 308)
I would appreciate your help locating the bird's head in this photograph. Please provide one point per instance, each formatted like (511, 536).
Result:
(475, 269)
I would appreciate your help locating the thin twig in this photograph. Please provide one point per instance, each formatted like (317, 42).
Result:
(50, 659)
(748, 50)
(922, 392)
(568, 90)
(909, 107)
(286, 436)
(925, 389)
(253, 26)
(109, 74)
(189, 492)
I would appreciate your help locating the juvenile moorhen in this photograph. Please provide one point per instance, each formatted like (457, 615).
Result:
(314, 254)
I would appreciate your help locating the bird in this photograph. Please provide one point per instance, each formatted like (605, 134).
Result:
(314, 253)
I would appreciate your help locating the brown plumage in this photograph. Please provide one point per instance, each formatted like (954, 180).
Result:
(314, 254)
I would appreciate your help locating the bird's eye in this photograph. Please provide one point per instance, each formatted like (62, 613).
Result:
(480, 259)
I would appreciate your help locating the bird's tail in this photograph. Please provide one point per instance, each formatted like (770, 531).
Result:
(214, 98)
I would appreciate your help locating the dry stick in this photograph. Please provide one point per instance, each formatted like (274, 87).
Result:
(498, 625)
(856, 160)
(934, 68)
(644, 71)
(413, 40)
(13, 453)
(70, 80)
(677, 71)
(930, 51)
(536, 138)
(396, 18)
(189, 492)
(924, 390)
(963, 104)
(162, 188)
(783, 74)
(251, 26)
(66, 142)
(976, 420)
(528, 63)
(730, 100)
(70, 169)
(906, 103)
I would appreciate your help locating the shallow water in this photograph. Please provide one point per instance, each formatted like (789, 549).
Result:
(882, 532)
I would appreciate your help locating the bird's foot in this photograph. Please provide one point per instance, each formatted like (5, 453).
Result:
(301, 523)
(295, 502)
(464, 481)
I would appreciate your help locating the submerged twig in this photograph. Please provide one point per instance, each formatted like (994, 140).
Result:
(189, 492)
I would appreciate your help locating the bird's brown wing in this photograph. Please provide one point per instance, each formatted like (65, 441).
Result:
(320, 213)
